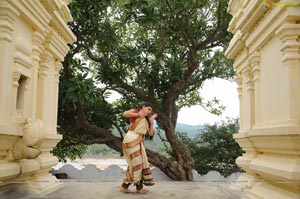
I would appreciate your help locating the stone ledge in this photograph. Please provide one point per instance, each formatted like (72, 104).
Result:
(233, 193)
(77, 189)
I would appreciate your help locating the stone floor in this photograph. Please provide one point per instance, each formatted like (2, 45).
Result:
(74, 189)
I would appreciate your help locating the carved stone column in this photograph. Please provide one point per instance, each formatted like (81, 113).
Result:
(254, 62)
(58, 66)
(34, 39)
(266, 52)
(8, 88)
(42, 89)
(289, 34)
(37, 49)
(239, 81)
(249, 107)
(7, 17)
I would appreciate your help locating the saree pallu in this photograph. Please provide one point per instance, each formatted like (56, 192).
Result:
(138, 170)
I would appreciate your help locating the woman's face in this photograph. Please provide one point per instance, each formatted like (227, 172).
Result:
(147, 110)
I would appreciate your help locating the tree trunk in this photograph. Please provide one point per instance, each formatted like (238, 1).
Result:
(176, 171)
(183, 167)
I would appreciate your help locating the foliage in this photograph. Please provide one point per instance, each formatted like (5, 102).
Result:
(146, 50)
(68, 149)
(132, 42)
(214, 148)
(99, 149)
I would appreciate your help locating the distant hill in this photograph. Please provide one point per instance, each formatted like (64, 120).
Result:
(190, 130)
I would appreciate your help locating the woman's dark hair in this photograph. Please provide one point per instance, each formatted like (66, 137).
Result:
(147, 104)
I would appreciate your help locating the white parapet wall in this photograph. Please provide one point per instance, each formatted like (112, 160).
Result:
(33, 42)
(265, 48)
(115, 173)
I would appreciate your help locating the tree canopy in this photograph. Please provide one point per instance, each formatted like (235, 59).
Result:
(145, 50)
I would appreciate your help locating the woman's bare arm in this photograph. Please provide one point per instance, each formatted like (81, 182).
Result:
(131, 113)
(151, 129)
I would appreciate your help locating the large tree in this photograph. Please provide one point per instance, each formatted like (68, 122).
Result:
(145, 50)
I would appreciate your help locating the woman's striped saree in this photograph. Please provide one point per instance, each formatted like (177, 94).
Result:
(138, 170)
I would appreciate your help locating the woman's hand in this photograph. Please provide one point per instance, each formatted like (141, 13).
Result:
(152, 118)
(142, 114)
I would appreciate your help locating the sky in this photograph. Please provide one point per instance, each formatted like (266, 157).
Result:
(223, 90)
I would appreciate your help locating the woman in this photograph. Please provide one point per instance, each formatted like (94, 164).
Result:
(138, 170)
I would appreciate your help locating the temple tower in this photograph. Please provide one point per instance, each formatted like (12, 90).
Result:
(266, 52)
(33, 42)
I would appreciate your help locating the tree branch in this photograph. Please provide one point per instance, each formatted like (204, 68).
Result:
(93, 57)
(210, 38)
(119, 130)
(134, 90)
(89, 142)
(192, 65)
(174, 114)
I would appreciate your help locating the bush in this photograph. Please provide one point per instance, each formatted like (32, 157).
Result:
(214, 148)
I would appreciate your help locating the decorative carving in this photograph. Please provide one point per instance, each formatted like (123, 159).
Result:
(27, 146)
(22, 60)
(27, 83)
(249, 78)
(239, 81)
(33, 132)
(16, 76)
(236, 45)
(44, 63)
(254, 61)
(255, 65)
(289, 35)
(58, 66)
(65, 11)
(37, 46)
(21, 151)
(19, 118)
(7, 15)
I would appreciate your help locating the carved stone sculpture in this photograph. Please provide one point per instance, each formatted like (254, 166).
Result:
(27, 146)
(21, 151)
(33, 132)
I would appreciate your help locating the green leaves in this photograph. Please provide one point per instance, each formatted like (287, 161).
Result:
(214, 148)
(80, 89)
(67, 149)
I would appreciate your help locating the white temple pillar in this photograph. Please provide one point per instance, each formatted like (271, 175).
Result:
(33, 41)
(266, 50)
(8, 14)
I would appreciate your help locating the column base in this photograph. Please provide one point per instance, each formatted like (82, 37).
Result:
(37, 186)
(267, 190)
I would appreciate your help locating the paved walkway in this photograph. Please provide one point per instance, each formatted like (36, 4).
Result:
(73, 189)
